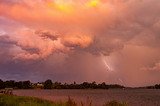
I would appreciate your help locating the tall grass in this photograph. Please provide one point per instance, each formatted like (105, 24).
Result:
(8, 100)
(115, 103)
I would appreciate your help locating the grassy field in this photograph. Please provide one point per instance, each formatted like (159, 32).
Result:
(8, 100)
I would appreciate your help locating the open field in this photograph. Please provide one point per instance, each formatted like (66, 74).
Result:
(133, 97)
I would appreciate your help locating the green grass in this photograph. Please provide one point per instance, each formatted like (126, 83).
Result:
(9, 100)
(6, 100)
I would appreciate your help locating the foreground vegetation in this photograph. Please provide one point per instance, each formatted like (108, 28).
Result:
(8, 100)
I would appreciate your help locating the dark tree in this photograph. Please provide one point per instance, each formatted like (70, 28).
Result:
(103, 86)
(19, 85)
(2, 86)
(57, 85)
(85, 85)
(93, 85)
(10, 84)
(26, 84)
(48, 84)
(157, 86)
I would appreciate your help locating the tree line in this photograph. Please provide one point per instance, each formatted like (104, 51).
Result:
(157, 86)
(48, 84)
(14, 84)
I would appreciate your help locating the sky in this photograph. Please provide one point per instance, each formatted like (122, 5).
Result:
(112, 41)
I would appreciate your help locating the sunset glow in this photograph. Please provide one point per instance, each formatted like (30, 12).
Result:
(93, 3)
(61, 6)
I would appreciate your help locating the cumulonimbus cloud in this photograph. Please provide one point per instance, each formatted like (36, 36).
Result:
(127, 31)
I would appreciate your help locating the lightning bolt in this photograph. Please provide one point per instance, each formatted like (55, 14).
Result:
(105, 63)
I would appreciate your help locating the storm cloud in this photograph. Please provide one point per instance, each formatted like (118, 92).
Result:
(116, 41)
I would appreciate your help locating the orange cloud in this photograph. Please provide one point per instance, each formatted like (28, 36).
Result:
(75, 21)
